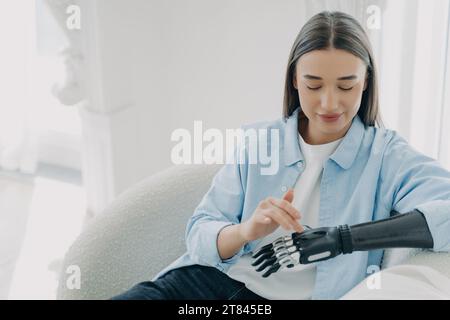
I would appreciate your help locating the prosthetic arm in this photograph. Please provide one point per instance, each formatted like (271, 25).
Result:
(408, 230)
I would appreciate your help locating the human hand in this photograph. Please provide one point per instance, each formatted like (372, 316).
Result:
(269, 215)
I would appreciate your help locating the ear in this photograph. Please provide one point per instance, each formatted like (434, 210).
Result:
(294, 81)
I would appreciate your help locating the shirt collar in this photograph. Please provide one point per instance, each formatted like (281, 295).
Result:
(345, 153)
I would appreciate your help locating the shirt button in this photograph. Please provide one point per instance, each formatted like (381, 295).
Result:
(284, 188)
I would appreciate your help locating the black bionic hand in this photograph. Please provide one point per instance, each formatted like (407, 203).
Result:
(305, 247)
(408, 230)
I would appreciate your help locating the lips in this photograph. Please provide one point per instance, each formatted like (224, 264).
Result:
(330, 117)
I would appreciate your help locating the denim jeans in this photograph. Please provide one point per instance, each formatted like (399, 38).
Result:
(193, 282)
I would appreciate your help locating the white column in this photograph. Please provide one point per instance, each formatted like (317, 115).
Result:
(108, 120)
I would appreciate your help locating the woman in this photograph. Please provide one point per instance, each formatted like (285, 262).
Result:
(336, 167)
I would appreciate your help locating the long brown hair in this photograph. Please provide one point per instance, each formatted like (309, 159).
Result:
(340, 31)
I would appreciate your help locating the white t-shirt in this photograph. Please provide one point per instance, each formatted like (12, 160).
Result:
(296, 283)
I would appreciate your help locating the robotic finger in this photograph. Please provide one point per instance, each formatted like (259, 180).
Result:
(282, 253)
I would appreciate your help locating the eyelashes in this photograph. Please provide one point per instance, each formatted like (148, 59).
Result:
(317, 88)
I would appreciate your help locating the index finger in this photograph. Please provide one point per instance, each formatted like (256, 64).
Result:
(286, 206)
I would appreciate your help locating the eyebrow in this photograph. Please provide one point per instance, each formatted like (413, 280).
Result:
(308, 76)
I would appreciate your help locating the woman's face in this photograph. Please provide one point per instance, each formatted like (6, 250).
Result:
(329, 82)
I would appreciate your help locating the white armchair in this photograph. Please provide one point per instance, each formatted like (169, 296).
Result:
(139, 234)
(143, 231)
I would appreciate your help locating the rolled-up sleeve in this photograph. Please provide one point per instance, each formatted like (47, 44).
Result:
(413, 180)
(221, 206)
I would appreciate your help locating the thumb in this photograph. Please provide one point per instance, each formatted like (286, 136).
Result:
(289, 195)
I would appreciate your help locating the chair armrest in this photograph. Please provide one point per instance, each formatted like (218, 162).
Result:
(140, 233)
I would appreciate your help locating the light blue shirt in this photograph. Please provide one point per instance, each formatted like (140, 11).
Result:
(373, 172)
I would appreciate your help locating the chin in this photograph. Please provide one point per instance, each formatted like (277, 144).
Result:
(332, 126)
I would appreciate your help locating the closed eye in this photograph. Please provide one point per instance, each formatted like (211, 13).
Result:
(317, 88)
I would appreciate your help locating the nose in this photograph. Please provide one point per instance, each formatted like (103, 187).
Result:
(329, 100)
